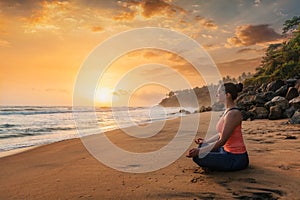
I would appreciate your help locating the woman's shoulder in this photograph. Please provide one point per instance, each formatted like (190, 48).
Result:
(234, 113)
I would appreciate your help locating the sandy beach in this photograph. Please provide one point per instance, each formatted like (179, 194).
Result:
(66, 170)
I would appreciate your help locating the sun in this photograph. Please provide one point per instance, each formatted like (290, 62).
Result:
(103, 96)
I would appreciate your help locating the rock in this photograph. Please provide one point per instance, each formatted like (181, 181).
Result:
(269, 104)
(295, 102)
(297, 85)
(246, 98)
(259, 99)
(184, 111)
(245, 106)
(269, 95)
(275, 85)
(282, 91)
(208, 108)
(202, 109)
(289, 112)
(281, 101)
(292, 93)
(260, 112)
(247, 115)
(291, 82)
(295, 118)
(275, 112)
(263, 87)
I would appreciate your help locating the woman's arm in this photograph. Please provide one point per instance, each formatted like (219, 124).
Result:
(209, 140)
(212, 139)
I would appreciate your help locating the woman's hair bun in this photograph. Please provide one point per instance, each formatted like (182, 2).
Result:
(239, 87)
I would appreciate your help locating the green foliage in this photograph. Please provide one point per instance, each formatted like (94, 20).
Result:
(281, 61)
(289, 25)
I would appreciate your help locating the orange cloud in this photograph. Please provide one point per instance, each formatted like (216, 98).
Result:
(153, 54)
(206, 23)
(247, 35)
(211, 47)
(160, 7)
(250, 50)
(148, 9)
(97, 29)
(125, 16)
(47, 17)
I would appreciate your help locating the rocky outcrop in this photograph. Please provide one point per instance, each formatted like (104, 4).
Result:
(276, 100)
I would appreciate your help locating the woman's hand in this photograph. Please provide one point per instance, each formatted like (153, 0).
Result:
(194, 152)
(199, 141)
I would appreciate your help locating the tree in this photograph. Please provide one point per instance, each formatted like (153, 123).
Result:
(289, 25)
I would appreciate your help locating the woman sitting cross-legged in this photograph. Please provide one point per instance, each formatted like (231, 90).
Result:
(225, 151)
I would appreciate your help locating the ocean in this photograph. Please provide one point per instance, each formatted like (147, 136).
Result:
(29, 126)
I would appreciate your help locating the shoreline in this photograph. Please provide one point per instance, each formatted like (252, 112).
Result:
(24, 149)
(66, 170)
(17, 151)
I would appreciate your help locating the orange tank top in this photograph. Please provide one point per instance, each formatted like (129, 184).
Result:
(235, 144)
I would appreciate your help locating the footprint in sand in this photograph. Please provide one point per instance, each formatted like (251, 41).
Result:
(258, 193)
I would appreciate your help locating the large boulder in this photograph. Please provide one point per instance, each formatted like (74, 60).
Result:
(259, 99)
(282, 102)
(260, 112)
(269, 104)
(289, 112)
(246, 98)
(296, 118)
(275, 85)
(247, 115)
(269, 95)
(291, 82)
(292, 93)
(295, 102)
(275, 112)
(282, 91)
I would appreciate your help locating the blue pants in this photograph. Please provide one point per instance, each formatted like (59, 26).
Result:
(222, 160)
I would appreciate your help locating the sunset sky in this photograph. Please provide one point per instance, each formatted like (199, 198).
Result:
(44, 43)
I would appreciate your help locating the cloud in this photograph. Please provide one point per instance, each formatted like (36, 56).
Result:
(211, 47)
(97, 29)
(247, 35)
(125, 16)
(206, 23)
(121, 92)
(251, 50)
(46, 18)
(160, 7)
(148, 9)
(152, 54)
(4, 43)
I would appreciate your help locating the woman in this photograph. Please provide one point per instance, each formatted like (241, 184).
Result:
(226, 150)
